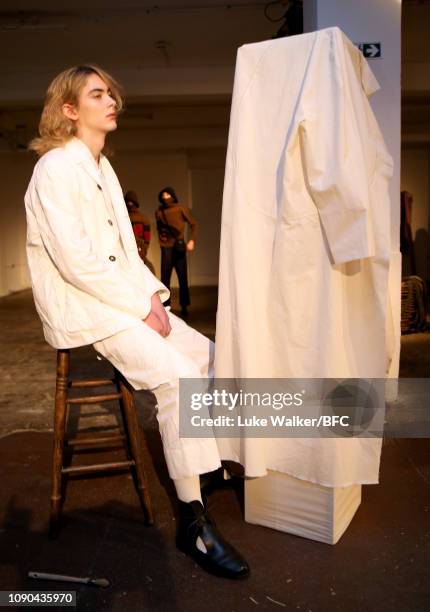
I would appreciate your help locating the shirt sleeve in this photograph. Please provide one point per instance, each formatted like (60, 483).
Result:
(69, 245)
(333, 155)
(191, 222)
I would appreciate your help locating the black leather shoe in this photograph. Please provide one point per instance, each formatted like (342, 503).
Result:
(220, 557)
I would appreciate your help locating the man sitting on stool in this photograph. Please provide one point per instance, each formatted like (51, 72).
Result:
(91, 287)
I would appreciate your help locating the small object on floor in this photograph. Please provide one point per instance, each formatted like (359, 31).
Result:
(100, 582)
(220, 558)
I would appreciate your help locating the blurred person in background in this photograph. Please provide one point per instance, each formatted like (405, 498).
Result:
(141, 227)
(171, 219)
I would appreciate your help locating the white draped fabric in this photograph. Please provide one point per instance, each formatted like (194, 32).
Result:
(305, 240)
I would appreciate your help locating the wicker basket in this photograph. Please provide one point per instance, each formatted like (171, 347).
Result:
(413, 317)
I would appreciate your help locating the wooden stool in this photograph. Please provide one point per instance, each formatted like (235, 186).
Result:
(133, 438)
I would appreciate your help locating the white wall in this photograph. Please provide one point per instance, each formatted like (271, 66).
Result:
(15, 172)
(206, 172)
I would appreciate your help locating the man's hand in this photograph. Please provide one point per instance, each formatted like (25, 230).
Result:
(158, 309)
(153, 321)
(190, 245)
(158, 318)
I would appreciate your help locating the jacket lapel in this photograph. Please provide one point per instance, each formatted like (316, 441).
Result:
(121, 214)
(91, 169)
(81, 155)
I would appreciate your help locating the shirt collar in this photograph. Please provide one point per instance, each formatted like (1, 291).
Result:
(361, 67)
(81, 153)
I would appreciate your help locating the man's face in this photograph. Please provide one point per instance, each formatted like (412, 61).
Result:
(131, 206)
(96, 111)
(166, 196)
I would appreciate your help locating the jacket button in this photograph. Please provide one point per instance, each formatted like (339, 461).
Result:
(112, 257)
(110, 221)
(99, 186)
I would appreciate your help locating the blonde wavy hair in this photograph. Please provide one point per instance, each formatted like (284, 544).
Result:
(55, 129)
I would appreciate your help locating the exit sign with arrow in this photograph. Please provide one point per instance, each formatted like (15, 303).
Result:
(370, 50)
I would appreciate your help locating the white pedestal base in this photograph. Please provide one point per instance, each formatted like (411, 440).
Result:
(300, 507)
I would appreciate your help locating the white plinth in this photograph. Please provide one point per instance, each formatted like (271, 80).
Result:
(296, 506)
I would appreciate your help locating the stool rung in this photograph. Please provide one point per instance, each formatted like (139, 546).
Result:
(117, 448)
(92, 441)
(92, 383)
(97, 467)
(94, 399)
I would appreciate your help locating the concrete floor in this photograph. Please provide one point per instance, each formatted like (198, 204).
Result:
(381, 563)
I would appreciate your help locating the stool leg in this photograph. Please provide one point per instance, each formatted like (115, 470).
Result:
(59, 433)
(136, 443)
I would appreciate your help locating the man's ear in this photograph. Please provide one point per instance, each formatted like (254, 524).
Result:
(70, 111)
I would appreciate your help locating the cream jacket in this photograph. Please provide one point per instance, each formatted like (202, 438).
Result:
(83, 291)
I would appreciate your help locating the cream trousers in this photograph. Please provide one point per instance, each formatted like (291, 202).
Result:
(149, 361)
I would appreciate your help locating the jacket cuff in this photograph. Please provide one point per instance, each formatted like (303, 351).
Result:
(152, 285)
(349, 235)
